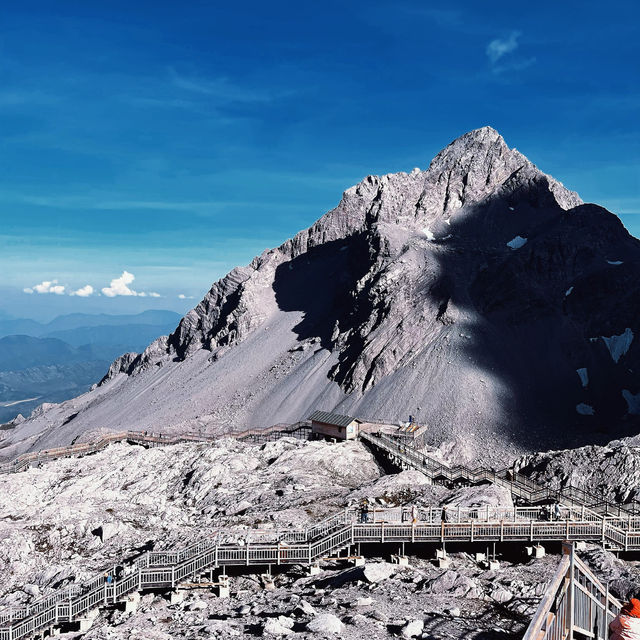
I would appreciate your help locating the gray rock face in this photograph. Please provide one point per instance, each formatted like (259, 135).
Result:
(477, 166)
(408, 297)
(611, 471)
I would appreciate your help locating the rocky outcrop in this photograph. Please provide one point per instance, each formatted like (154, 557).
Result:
(475, 167)
(611, 471)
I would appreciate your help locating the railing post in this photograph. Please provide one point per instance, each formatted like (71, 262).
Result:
(606, 610)
(571, 593)
(626, 540)
(472, 531)
(531, 531)
(247, 553)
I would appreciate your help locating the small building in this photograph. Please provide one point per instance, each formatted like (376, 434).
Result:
(334, 425)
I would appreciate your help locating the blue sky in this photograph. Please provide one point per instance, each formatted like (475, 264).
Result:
(176, 140)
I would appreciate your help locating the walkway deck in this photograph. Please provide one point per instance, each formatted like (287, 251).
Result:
(580, 520)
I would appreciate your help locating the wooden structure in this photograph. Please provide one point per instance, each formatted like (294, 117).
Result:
(334, 425)
(575, 605)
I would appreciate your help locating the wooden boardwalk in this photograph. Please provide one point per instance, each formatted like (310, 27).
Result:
(166, 570)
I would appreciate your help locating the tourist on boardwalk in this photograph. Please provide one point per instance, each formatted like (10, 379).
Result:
(626, 625)
(414, 514)
(556, 511)
(364, 511)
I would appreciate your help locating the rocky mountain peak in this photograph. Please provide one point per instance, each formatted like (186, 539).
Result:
(479, 164)
(464, 294)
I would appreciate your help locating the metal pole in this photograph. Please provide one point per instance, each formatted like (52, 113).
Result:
(571, 594)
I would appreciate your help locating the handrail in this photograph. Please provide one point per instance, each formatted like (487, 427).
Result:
(516, 482)
(574, 601)
(164, 569)
(349, 526)
(25, 460)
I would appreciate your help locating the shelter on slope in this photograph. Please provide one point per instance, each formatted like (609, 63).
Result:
(334, 425)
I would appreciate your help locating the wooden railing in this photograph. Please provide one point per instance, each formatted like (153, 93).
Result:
(519, 484)
(299, 430)
(165, 569)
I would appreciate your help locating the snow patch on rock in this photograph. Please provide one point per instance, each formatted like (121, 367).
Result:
(585, 409)
(583, 374)
(568, 292)
(427, 232)
(517, 242)
(619, 345)
(633, 402)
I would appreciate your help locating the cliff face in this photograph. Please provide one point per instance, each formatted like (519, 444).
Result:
(477, 295)
(385, 221)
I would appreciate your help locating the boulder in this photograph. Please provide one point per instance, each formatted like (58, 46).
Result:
(501, 595)
(327, 624)
(303, 608)
(378, 571)
(273, 627)
(364, 602)
(412, 629)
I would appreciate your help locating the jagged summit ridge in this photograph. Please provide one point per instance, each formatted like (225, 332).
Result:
(441, 293)
(469, 170)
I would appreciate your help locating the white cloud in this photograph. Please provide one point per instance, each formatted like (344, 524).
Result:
(501, 46)
(83, 292)
(183, 297)
(46, 286)
(120, 287)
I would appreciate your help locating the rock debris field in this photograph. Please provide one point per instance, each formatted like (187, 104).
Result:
(74, 518)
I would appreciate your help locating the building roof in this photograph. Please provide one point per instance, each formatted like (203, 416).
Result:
(335, 419)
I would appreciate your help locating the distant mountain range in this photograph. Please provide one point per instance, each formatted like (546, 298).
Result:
(23, 326)
(54, 361)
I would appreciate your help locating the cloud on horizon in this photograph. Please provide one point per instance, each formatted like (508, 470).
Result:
(120, 287)
(83, 292)
(46, 286)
